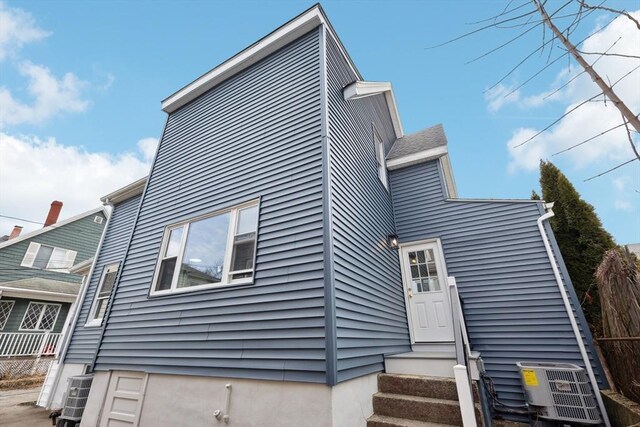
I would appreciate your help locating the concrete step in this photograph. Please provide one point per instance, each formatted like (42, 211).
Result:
(415, 385)
(417, 408)
(434, 364)
(382, 421)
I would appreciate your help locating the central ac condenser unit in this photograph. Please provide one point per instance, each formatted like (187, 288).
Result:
(559, 391)
(76, 397)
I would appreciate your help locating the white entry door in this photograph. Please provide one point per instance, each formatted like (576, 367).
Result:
(426, 293)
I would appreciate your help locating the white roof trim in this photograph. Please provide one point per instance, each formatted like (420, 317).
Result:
(362, 89)
(7, 291)
(277, 39)
(53, 226)
(447, 171)
(415, 158)
(82, 267)
(126, 192)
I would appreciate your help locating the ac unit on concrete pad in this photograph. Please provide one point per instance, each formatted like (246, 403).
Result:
(76, 397)
(559, 391)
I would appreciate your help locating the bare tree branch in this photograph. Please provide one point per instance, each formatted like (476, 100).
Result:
(610, 170)
(608, 91)
(608, 9)
(608, 54)
(480, 29)
(587, 140)
(580, 73)
(633, 147)
(503, 13)
(503, 45)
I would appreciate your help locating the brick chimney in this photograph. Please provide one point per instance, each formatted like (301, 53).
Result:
(54, 212)
(15, 232)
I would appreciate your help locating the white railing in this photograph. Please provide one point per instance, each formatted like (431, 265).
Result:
(25, 344)
(462, 371)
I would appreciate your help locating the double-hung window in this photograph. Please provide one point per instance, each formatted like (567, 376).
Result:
(48, 258)
(107, 280)
(209, 251)
(380, 159)
(40, 317)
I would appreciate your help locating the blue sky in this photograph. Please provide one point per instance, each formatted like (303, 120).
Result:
(81, 85)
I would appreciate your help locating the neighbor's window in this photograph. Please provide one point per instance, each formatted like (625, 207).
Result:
(380, 160)
(210, 251)
(107, 280)
(40, 317)
(48, 258)
(5, 310)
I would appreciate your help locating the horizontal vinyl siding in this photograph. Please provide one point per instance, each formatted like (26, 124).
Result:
(81, 236)
(84, 340)
(256, 135)
(512, 306)
(370, 311)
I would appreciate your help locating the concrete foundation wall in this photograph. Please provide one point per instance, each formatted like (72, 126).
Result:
(171, 400)
(68, 370)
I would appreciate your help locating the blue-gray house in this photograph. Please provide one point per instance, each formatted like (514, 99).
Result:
(291, 243)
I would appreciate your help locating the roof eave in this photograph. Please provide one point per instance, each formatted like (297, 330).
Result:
(7, 291)
(362, 89)
(126, 192)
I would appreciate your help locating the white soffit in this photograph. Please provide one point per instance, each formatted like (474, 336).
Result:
(419, 157)
(277, 39)
(362, 89)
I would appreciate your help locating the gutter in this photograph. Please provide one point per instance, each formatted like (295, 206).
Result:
(572, 319)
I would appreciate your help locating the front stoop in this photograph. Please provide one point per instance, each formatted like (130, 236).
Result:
(416, 401)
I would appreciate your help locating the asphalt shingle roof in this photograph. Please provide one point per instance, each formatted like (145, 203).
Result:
(416, 142)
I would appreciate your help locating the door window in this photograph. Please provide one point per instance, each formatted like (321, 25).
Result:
(424, 273)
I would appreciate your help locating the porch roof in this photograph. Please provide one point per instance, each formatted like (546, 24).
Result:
(40, 289)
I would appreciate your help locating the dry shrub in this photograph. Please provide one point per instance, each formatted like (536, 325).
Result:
(618, 281)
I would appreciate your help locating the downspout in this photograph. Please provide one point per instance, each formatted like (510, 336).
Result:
(572, 319)
(76, 314)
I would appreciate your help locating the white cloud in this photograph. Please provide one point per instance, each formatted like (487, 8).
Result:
(147, 147)
(17, 28)
(592, 118)
(52, 96)
(501, 95)
(623, 205)
(34, 172)
(620, 183)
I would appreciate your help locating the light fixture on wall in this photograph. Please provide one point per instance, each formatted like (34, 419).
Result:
(392, 239)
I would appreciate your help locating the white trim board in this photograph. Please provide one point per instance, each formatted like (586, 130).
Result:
(124, 193)
(363, 89)
(6, 291)
(54, 226)
(275, 40)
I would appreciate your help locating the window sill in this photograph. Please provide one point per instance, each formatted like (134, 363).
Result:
(93, 324)
(201, 288)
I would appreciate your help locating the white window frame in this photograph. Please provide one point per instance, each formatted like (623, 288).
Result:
(108, 268)
(32, 252)
(381, 163)
(12, 304)
(37, 329)
(226, 273)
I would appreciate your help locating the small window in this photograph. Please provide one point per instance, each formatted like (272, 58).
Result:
(40, 317)
(210, 251)
(99, 307)
(5, 310)
(48, 258)
(380, 159)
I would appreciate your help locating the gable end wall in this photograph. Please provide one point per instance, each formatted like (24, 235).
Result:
(256, 135)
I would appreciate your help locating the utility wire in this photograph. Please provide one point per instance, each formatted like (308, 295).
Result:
(21, 219)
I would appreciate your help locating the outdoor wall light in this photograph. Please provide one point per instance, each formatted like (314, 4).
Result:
(392, 239)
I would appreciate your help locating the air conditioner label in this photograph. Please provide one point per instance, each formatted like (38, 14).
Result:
(529, 376)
